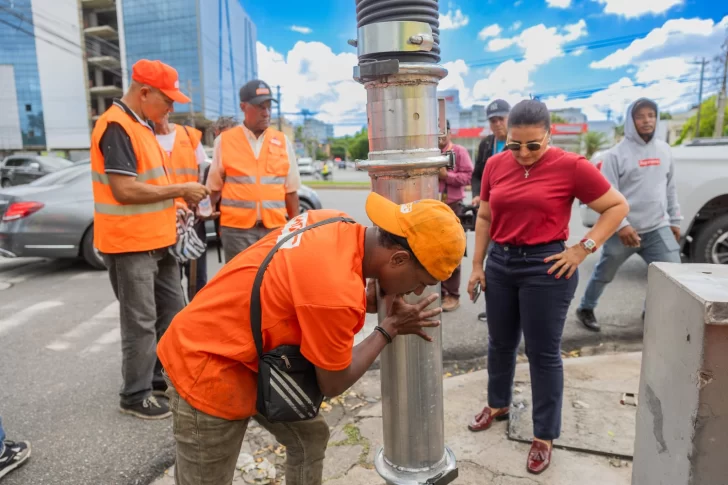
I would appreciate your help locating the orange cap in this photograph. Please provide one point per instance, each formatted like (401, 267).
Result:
(161, 76)
(431, 228)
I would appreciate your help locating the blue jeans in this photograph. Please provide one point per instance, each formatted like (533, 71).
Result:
(656, 246)
(2, 437)
(520, 295)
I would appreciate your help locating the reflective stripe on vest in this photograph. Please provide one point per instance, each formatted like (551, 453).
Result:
(128, 228)
(254, 187)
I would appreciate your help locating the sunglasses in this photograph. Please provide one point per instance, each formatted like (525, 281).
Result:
(533, 146)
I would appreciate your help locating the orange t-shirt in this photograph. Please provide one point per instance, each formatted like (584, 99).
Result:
(313, 295)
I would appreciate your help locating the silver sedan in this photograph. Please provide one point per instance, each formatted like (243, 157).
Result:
(53, 216)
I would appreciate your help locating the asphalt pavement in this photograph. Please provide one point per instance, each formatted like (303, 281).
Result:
(61, 356)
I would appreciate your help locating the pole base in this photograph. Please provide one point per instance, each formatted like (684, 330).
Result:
(442, 474)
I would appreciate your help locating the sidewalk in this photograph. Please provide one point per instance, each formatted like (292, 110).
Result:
(489, 457)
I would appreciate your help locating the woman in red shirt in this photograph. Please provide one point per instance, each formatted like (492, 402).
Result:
(531, 275)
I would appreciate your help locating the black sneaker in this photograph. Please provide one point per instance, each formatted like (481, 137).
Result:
(587, 318)
(14, 455)
(150, 408)
(483, 317)
(160, 389)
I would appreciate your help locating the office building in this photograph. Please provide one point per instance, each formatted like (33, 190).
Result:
(452, 106)
(211, 43)
(317, 130)
(43, 104)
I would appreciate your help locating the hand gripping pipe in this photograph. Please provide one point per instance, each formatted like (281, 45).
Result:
(398, 49)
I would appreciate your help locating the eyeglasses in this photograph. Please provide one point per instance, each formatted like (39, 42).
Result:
(533, 146)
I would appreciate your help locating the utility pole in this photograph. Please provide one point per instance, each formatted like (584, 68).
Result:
(702, 63)
(720, 116)
(278, 99)
(192, 104)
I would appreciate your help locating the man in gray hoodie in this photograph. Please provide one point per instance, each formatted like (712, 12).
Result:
(642, 169)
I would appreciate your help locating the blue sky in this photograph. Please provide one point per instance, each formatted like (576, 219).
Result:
(504, 49)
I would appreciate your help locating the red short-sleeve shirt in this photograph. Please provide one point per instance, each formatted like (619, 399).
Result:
(537, 209)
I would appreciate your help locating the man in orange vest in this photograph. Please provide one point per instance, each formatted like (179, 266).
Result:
(135, 223)
(313, 295)
(254, 174)
(183, 145)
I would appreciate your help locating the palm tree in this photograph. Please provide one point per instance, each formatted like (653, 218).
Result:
(593, 142)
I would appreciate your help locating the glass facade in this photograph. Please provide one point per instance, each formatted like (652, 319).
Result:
(186, 35)
(18, 50)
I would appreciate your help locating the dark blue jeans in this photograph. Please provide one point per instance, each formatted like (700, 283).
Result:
(520, 295)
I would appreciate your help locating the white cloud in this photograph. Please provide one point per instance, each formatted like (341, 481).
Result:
(637, 8)
(516, 25)
(455, 79)
(676, 38)
(541, 44)
(301, 30)
(490, 31)
(510, 81)
(453, 20)
(312, 77)
(578, 52)
(517, 3)
(559, 3)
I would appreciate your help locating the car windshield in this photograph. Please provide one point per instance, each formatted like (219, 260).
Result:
(55, 162)
(64, 176)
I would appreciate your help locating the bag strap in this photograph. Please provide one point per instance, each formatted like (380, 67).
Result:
(255, 306)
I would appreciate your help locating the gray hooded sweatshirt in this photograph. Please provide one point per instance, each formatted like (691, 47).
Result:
(645, 174)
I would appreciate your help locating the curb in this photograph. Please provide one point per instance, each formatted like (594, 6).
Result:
(156, 467)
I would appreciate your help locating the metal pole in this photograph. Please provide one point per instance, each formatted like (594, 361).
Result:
(278, 99)
(703, 62)
(398, 67)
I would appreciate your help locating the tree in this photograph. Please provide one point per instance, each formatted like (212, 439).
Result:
(593, 142)
(557, 119)
(359, 146)
(664, 115)
(708, 114)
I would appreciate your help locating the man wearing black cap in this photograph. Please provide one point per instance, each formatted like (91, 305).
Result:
(497, 113)
(641, 168)
(254, 174)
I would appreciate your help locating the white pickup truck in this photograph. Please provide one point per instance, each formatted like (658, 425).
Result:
(701, 170)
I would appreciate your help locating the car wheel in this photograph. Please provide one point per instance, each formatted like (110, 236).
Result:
(5, 183)
(90, 254)
(711, 244)
(304, 205)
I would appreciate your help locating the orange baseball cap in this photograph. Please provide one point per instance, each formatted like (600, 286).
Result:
(161, 76)
(431, 228)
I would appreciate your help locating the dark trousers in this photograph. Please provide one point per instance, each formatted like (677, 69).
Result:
(451, 286)
(520, 295)
(147, 285)
(201, 277)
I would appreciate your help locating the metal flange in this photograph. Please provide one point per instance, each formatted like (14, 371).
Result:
(394, 36)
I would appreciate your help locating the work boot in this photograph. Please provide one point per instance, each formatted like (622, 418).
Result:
(150, 408)
(13, 455)
(450, 303)
(587, 318)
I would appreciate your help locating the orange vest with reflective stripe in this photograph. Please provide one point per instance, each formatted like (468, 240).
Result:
(128, 228)
(253, 184)
(183, 160)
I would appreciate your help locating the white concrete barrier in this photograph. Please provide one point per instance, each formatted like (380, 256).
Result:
(682, 417)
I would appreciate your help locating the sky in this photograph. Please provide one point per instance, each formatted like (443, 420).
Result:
(596, 55)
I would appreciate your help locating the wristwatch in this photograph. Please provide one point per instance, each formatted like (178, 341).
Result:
(589, 245)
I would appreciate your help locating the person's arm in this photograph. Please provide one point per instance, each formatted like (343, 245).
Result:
(478, 169)
(120, 165)
(610, 170)
(402, 319)
(216, 175)
(612, 208)
(293, 182)
(673, 206)
(463, 170)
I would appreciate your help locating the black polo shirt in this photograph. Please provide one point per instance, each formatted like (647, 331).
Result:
(115, 144)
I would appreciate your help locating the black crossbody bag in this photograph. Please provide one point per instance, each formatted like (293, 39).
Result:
(287, 386)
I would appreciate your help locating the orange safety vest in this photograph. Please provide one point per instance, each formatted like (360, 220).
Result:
(128, 228)
(253, 184)
(183, 160)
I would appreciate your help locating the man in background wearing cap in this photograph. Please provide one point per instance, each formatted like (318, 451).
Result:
(134, 225)
(452, 191)
(642, 169)
(313, 296)
(254, 174)
(497, 113)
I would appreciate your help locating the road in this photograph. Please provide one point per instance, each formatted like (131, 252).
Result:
(61, 362)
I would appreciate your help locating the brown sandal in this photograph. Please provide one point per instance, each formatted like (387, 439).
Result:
(485, 418)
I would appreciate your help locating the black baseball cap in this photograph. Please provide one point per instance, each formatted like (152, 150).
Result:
(498, 108)
(256, 92)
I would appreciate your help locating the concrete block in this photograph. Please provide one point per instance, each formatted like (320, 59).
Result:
(682, 417)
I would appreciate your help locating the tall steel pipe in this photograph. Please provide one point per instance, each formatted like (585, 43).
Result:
(397, 66)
